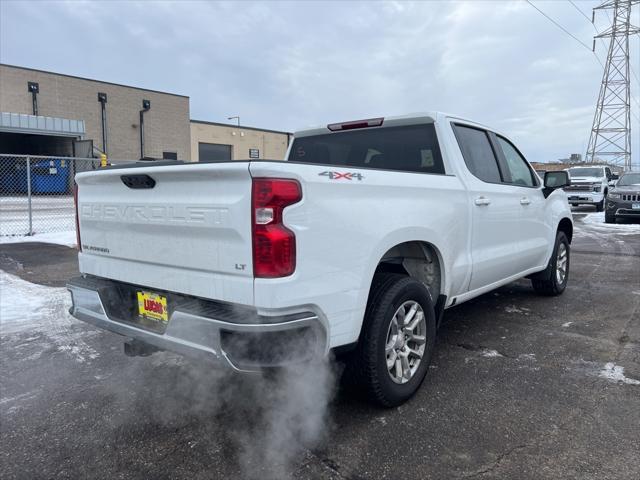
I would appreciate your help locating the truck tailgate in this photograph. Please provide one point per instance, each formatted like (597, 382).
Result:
(188, 233)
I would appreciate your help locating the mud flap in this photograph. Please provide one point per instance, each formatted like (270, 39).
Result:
(439, 309)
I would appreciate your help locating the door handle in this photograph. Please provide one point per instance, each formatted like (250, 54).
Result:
(525, 201)
(482, 201)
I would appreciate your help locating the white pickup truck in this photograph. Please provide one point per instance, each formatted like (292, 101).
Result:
(589, 185)
(355, 244)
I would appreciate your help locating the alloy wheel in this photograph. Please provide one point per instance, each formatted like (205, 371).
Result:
(406, 339)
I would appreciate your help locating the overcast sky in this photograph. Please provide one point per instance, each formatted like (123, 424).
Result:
(287, 65)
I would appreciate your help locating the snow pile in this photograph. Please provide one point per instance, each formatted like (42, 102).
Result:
(595, 221)
(43, 312)
(24, 304)
(67, 238)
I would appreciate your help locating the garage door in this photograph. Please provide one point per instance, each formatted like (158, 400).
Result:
(213, 152)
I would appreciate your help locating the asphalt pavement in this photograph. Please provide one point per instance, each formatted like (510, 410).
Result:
(520, 386)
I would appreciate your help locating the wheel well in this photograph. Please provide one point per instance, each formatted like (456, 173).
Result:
(566, 226)
(419, 260)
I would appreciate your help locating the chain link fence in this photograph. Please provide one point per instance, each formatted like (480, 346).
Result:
(36, 193)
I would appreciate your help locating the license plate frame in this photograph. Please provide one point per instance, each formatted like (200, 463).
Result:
(153, 307)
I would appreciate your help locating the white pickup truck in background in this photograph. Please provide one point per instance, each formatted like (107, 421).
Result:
(355, 244)
(589, 185)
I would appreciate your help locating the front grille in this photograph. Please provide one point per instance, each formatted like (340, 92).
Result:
(630, 197)
(578, 188)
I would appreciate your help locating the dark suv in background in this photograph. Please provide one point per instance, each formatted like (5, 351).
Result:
(623, 200)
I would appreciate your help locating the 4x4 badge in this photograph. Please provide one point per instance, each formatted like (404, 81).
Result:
(342, 175)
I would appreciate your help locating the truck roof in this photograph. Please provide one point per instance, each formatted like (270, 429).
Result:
(392, 121)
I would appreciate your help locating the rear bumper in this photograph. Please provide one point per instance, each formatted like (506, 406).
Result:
(249, 343)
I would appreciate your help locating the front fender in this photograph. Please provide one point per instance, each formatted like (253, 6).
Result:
(556, 208)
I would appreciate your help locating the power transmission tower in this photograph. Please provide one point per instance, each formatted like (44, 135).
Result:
(610, 139)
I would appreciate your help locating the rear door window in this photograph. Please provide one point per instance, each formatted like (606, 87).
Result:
(412, 148)
(478, 153)
(519, 171)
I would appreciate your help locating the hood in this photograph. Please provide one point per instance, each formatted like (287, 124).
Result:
(626, 189)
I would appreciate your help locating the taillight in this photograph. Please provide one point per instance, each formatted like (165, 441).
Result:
(75, 202)
(274, 245)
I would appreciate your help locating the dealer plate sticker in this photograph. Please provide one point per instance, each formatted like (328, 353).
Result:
(153, 306)
(635, 206)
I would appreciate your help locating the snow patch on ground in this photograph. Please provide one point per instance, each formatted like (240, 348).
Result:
(43, 312)
(49, 214)
(487, 352)
(527, 356)
(22, 396)
(595, 222)
(67, 238)
(615, 373)
(566, 324)
(514, 309)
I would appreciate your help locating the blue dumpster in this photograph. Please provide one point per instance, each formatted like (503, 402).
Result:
(50, 176)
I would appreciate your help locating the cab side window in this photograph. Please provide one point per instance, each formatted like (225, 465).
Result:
(478, 153)
(517, 167)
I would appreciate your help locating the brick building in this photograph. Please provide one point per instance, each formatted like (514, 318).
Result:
(45, 113)
(556, 166)
(63, 97)
(212, 141)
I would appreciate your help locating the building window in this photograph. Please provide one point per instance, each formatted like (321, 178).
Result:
(170, 155)
(213, 152)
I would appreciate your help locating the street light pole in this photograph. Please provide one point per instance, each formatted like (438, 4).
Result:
(236, 118)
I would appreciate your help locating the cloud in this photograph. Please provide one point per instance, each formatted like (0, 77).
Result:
(286, 65)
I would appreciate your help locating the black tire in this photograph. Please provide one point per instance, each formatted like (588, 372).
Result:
(547, 283)
(600, 206)
(366, 368)
(609, 218)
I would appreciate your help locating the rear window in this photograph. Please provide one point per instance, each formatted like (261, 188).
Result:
(409, 149)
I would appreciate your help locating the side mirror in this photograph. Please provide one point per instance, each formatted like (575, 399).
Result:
(554, 180)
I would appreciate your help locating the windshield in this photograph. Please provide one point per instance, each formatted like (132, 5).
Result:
(585, 172)
(629, 179)
(411, 148)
